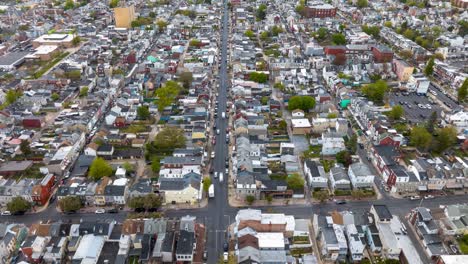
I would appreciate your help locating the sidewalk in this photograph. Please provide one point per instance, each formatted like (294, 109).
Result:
(239, 202)
(203, 203)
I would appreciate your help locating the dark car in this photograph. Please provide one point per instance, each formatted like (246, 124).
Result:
(112, 211)
(340, 202)
(70, 212)
(225, 246)
(19, 213)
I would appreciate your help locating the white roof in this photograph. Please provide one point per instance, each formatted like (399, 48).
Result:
(90, 247)
(62, 153)
(121, 182)
(55, 38)
(249, 214)
(300, 122)
(454, 259)
(45, 49)
(270, 240)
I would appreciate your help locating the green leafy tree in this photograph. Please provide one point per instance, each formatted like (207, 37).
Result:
(18, 204)
(406, 54)
(206, 183)
(113, 3)
(265, 100)
(279, 86)
(152, 14)
(430, 124)
(23, 27)
(74, 75)
(25, 148)
(54, 96)
(169, 138)
(76, 40)
(261, 12)
(69, 4)
(351, 144)
(446, 138)
(70, 204)
(357, 194)
(136, 203)
(305, 103)
(99, 168)
(371, 30)
(420, 137)
(283, 125)
(162, 24)
(388, 24)
(258, 77)
(186, 78)
(429, 67)
(295, 182)
(250, 199)
(463, 91)
(375, 91)
(155, 164)
(167, 94)
(322, 196)
(338, 39)
(264, 36)
(300, 8)
(332, 115)
(322, 33)
(128, 167)
(151, 201)
(249, 33)
(275, 30)
(84, 91)
(11, 96)
(396, 112)
(344, 157)
(362, 3)
(143, 112)
(269, 199)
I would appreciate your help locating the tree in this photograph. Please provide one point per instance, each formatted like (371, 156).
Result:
(250, 199)
(269, 199)
(295, 182)
(23, 27)
(305, 103)
(169, 138)
(162, 24)
(446, 138)
(338, 39)
(128, 167)
(76, 40)
(74, 75)
(275, 30)
(357, 194)
(18, 204)
(206, 183)
(300, 8)
(279, 86)
(25, 147)
(388, 24)
(420, 137)
(152, 14)
(249, 33)
(322, 33)
(167, 94)
(429, 67)
(265, 100)
(151, 201)
(136, 203)
(283, 125)
(430, 124)
(84, 91)
(332, 115)
(322, 196)
(264, 36)
(113, 3)
(155, 164)
(261, 12)
(186, 78)
(54, 96)
(351, 144)
(463, 91)
(406, 54)
(12, 96)
(344, 158)
(258, 77)
(143, 112)
(99, 168)
(70, 204)
(362, 3)
(375, 91)
(371, 30)
(396, 112)
(69, 4)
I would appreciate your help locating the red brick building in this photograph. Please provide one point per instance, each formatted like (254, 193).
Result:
(382, 54)
(334, 50)
(41, 192)
(320, 11)
(460, 3)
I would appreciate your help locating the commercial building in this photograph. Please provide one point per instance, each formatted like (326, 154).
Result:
(61, 40)
(124, 16)
(319, 10)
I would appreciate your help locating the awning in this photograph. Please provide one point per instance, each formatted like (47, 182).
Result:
(433, 186)
(454, 185)
(422, 188)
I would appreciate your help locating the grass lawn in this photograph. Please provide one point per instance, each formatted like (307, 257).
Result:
(463, 246)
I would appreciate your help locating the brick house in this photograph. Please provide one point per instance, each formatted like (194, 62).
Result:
(41, 192)
(382, 54)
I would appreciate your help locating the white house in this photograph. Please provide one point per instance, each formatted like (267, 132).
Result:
(315, 175)
(418, 83)
(339, 178)
(459, 120)
(360, 175)
(332, 145)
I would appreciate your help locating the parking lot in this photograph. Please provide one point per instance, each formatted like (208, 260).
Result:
(418, 108)
(443, 98)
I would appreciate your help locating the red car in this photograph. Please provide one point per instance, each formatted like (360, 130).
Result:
(213, 141)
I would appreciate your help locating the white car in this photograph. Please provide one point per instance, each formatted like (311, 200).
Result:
(100, 211)
(428, 106)
(429, 197)
(434, 92)
(212, 154)
(6, 213)
(225, 256)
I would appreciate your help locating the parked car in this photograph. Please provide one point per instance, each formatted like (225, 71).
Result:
(112, 211)
(340, 202)
(414, 197)
(6, 213)
(100, 211)
(225, 246)
(429, 196)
